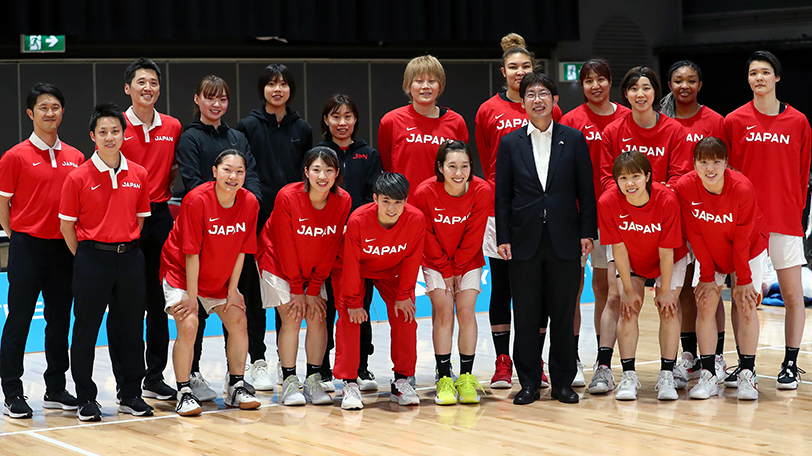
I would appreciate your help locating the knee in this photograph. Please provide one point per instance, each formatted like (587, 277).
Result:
(187, 328)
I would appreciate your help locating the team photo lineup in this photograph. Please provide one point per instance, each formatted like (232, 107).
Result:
(654, 189)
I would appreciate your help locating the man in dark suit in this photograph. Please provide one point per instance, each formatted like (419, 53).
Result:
(545, 220)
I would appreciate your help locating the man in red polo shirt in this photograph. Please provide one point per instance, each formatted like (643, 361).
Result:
(31, 177)
(150, 141)
(103, 207)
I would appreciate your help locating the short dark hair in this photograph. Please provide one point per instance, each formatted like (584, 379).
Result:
(442, 153)
(330, 158)
(634, 75)
(106, 110)
(766, 56)
(632, 162)
(684, 63)
(599, 66)
(141, 64)
(537, 78)
(710, 148)
(271, 73)
(334, 103)
(43, 88)
(393, 185)
(226, 152)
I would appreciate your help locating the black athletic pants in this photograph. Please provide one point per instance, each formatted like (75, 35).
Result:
(153, 235)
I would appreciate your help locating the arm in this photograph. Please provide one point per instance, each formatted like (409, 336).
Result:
(665, 298)
(433, 251)
(351, 273)
(188, 304)
(471, 243)
(679, 159)
(188, 156)
(385, 143)
(585, 186)
(404, 303)
(608, 155)
(5, 215)
(630, 300)
(284, 241)
(68, 229)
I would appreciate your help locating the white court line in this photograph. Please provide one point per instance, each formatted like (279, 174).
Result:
(59, 444)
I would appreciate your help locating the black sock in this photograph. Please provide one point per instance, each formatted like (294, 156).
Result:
(233, 379)
(443, 364)
(605, 356)
(313, 369)
(466, 363)
(739, 354)
(720, 342)
(399, 376)
(598, 338)
(791, 354)
(688, 340)
(542, 336)
(501, 342)
(628, 364)
(748, 362)
(577, 340)
(288, 371)
(708, 362)
(667, 364)
(182, 385)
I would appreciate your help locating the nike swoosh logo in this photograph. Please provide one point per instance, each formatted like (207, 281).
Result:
(369, 240)
(695, 204)
(35, 164)
(94, 188)
(624, 216)
(438, 209)
(751, 127)
(410, 129)
(627, 139)
(302, 219)
(588, 127)
(127, 139)
(500, 115)
(214, 219)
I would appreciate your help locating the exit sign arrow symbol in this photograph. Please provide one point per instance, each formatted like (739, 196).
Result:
(52, 41)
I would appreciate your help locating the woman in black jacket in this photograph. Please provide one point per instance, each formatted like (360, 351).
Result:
(360, 166)
(198, 147)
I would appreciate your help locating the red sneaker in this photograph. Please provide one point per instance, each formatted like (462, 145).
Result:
(544, 381)
(502, 378)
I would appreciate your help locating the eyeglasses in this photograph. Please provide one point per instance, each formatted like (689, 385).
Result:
(540, 95)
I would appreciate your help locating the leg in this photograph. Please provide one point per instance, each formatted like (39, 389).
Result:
(58, 298)
(600, 288)
(329, 321)
(315, 340)
(789, 280)
(706, 325)
(576, 324)
(202, 315)
(153, 235)
(288, 340)
(466, 315)
(254, 312)
(499, 310)
(403, 348)
(628, 331)
(669, 331)
(235, 321)
(442, 312)
(527, 309)
(367, 349)
(347, 337)
(611, 313)
(126, 318)
(183, 351)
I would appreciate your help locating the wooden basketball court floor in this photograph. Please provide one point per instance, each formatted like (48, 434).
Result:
(780, 422)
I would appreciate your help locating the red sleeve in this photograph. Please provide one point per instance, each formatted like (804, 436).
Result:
(806, 156)
(681, 157)
(607, 159)
(471, 243)
(191, 225)
(249, 246)
(436, 257)
(465, 136)
(483, 144)
(672, 223)
(9, 172)
(69, 201)
(385, 142)
(143, 202)
(609, 232)
(351, 274)
(411, 262)
(325, 266)
(745, 224)
(284, 242)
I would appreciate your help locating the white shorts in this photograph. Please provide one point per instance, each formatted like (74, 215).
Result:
(677, 275)
(275, 290)
(786, 251)
(758, 266)
(598, 255)
(173, 296)
(489, 246)
(471, 280)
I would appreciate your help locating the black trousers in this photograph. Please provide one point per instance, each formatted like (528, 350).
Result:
(544, 285)
(254, 313)
(366, 348)
(153, 235)
(37, 265)
(101, 278)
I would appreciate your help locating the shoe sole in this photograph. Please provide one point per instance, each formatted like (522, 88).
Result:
(153, 395)
(8, 412)
(89, 418)
(667, 398)
(600, 389)
(245, 405)
(372, 386)
(626, 398)
(295, 402)
(544, 384)
(131, 411)
(786, 386)
(501, 384)
(748, 398)
(58, 405)
(396, 398)
(439, 401)
(698, 397)
(470, 400)
(324, 401)
(351, 407)
(193, 412)
(578, 383)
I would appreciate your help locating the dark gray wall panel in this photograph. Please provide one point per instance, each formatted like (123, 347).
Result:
(183, 80)
(325, 79)
(14, 114)
(249, 98)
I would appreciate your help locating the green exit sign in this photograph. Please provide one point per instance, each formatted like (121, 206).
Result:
(42, 43)
(569, 71)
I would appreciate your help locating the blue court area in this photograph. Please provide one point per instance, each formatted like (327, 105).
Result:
(36, 341)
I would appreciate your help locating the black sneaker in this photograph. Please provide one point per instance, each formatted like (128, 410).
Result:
(16, 407)
(732, 379)
(89, 411)
(63, 400)
(788, 377)
(159, 390)
(135, 406)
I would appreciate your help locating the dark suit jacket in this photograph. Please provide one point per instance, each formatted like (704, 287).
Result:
(568, 197)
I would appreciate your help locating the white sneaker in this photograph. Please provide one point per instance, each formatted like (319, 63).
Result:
(313, 391)
(238, 396)
(666, 387)
(602, 380)
(291, 393)
(579, 381)
(679, 378)
(747, 386)
(188, 404)
(687, 366)
(627, 388)
(721, 366)
(403, 392)
(366, 381)
(351, 399)
(280, 377)
(707, 386)
(327, 382)
(260, 376)
(201, 388)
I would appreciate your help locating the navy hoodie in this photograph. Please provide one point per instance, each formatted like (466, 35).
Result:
(360, 166)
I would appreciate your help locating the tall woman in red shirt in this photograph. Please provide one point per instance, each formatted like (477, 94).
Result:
(699, 121)
(591, 118)
(298, 246)
(201, 261)
(500, 115)
(726, 231)
(456, 205)
(770, 143)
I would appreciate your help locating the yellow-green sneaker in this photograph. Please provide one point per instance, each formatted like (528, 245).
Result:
(446, 392)
(467, 386)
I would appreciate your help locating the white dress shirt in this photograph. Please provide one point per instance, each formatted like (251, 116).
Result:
(541, 141)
